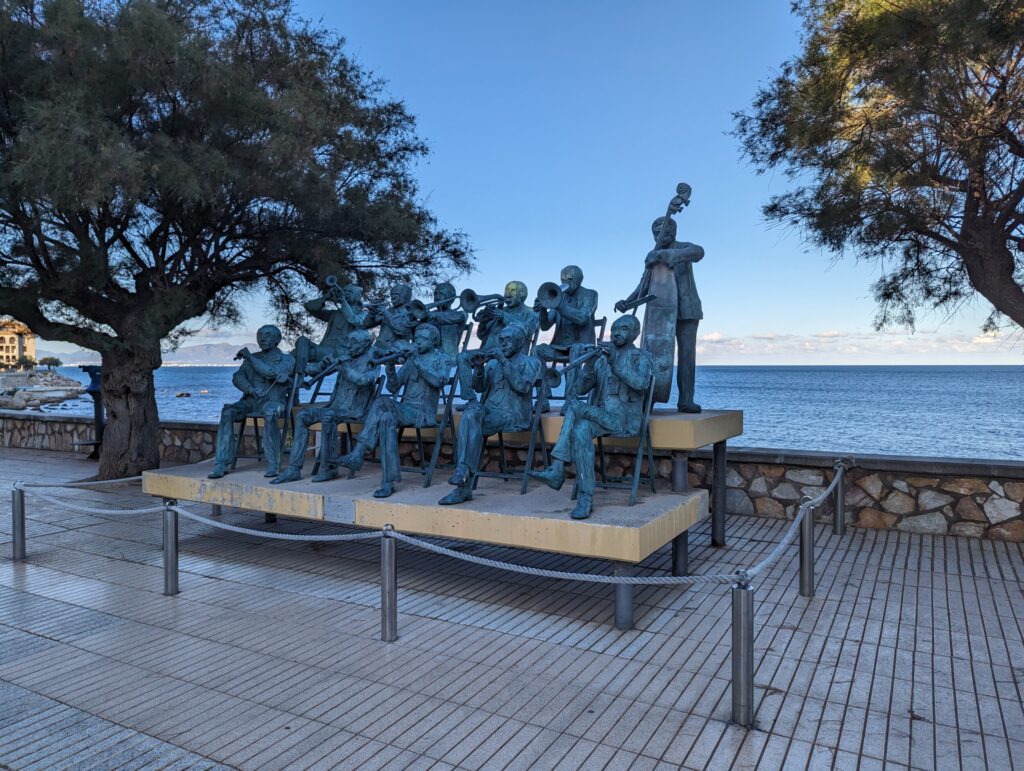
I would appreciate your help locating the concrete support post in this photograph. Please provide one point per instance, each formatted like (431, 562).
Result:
(18, 524)
(839, 501)
(388, 588)
(170, 550)
(680, 472)
(743, 654)
(718, 494)
(807, 554)
(623, 598)
(680, 554)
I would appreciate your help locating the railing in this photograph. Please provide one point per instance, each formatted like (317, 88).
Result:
(740, 581)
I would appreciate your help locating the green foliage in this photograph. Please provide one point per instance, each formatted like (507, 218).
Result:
(50, 362)
(160, 159)
(901, 126)
(25, 362)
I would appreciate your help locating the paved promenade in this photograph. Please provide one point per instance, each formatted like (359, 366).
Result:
(911, 655)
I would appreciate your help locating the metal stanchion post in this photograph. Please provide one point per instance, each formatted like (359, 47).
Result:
(388, 587)
(718, 472)
(18, 523)
(680, 472)
(680, 554)
(807, 554)
(623, 598)
(216, 509)
(170, 549)
(743, 654)
(839, 501)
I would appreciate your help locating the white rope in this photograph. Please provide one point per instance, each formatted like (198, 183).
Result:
(270, 534)
(19, 485)
(92, 509)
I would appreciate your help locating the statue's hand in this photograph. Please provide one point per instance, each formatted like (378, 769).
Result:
(653, 257)
(620, 306)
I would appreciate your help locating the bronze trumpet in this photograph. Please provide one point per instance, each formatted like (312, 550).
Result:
(473, 303)
(550, 295)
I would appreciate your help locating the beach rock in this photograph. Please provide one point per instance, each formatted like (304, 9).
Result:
(695, 481)
(996, 488)
(900, 485)
(920, 482)
(1001, 509)
(965, 486)
(872, 485)
(931, 499)
(805, 476)
(1011, 531)
(786, 492)
(747, 470)
(1015, 491)
(758, 487)
(875, 519)
(769, 507)
(664, 468)
(970, 529)
(769, 471)
(732, 479)
(856, 498)
(898, 503)
(737, 502)
(925, 523)
(967, 509)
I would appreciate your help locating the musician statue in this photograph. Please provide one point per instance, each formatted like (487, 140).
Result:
(505, 378)
(617, 378)
(570, 309)
(673, 305)
(450, 323)
(491, 320)
(349, 401)
(397, 321)
(265, 382)
(346, 315)
(423, 375)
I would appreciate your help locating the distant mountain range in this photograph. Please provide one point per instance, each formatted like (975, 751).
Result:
(206, 354)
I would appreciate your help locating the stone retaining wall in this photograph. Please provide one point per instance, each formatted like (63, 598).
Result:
(978, 499)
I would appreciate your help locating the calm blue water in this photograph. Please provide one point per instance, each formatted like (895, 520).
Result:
(975, 412)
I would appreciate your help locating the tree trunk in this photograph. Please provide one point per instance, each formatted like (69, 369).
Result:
(131, 440)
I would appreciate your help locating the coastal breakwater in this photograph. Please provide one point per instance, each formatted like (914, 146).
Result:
(960, 497)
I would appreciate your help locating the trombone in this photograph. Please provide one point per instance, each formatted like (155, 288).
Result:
(475, 304)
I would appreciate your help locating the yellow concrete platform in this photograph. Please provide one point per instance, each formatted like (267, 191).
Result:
(497, 515)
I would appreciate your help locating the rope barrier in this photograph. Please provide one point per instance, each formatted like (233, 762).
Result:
(19, 485)
(270, 534)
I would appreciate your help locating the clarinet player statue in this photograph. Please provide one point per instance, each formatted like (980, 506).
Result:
(673, 308)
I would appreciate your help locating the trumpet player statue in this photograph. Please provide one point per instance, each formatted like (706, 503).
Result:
(491, 320)
(617, 378)
(350, 399)
(449, 322)
(570, 309)
(505, 378)
(348, 314)
(667, 283)
(396, 321)
(264, 379)
(423, 374)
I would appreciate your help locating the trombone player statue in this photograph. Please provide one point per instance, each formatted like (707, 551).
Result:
(350, 399)
(570, 309)
(450, 322)
(424, 373)
(264, 379)
(668, 288)
(505, 378)
(347, 315)
(617, 377)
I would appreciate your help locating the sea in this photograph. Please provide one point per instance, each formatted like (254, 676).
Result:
(937, 411)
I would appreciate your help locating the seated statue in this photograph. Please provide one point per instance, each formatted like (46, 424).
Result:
(347, 315)
(396, 321)
(617, 382)
(491, 322)
(450, 323)
(350, 399)
(264, 380)
(423, 374)
(506, 381)
(573, 321)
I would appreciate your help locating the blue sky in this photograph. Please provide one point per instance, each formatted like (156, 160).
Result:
(559, 130)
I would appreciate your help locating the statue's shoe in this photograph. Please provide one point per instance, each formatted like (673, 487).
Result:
(460, 476)
(289, 475)
(691, 409)
(217, 472)
(385, 490)
(325, 475)
(584, 505)
(271, 472)
(351, 461)
(458, 495)
(550, 476)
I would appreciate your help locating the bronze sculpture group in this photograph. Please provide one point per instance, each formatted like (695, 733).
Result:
(504, 383)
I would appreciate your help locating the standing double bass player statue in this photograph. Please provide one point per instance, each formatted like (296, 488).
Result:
(673, 306)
